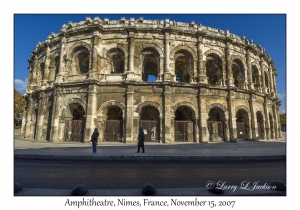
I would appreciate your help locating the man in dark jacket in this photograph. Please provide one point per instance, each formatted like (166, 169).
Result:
(141, 139)
(94, 139)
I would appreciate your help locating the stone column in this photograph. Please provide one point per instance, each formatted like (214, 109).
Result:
(130, 72)
(202, 79)
(167, 74)
(55, 115)
(62, 67)
(253, 119)
(29, 123)
(271, 82)
(24, 119)
(249, 70)
(91, 115)
(267, 125)
(232, 116)
(264, 88)
(274, 83)
(167, 106)
(203, 131)
(129, 114)
(278, 121)
(275, 124)
(230, 82)
(41, 116)
(46, 70)
(93, 72)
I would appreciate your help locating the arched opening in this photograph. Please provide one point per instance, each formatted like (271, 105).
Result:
(267, 82)
(42, 70)
(150, 65)
(242, 125)
(150, 122)
(213, 69)
(114, 125)
(183, 66)
(215, 123)
(83, 62)
(255, 77)
(184, 124)
(49, 123)
(118, 61)
(260, 125)
(271, 126)
(75, 123)
(237, 72)
(35, 123)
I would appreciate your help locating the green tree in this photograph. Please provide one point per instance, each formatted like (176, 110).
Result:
(19, 104)
(283, 119)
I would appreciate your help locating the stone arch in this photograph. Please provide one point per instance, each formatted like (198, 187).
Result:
(149, 103)
(157, 48)
(217, 105)
(104, 107)
(188, 104)
(213, 51)
(256, 64)
(184, 48)
(244, 108)
(240, 58)
(78, 45)
(71, 101)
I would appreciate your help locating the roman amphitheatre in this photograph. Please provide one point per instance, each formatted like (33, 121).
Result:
(181, 82)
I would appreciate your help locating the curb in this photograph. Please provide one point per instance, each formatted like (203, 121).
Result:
(199, 159)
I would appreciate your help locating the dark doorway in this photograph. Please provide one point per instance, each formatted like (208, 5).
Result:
(184, 125)
(150, 123)
(114, 125)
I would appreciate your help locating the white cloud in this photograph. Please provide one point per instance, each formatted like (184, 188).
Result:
(282, 111)
(281, 96)
(20, 85)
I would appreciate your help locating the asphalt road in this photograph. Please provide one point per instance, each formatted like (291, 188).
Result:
(109, 175)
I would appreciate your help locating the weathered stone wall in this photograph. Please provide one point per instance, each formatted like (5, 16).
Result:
(200, 74)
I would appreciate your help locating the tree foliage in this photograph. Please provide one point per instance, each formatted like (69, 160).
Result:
(19, 104)
(283, 119)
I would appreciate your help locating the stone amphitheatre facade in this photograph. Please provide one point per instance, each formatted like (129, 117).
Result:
(182, 82)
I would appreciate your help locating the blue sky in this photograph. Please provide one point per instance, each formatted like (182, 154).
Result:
(266, 30)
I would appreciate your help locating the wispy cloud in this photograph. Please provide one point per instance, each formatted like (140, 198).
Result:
(20, 85)
(281, 96)
(282, 111)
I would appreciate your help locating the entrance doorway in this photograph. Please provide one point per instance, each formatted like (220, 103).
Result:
(150, 123)
(184, 125)
(74, 128)
(215, 124)
(242, 125)
(114, 125)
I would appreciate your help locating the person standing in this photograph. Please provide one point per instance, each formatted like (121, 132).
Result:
(141, 139)
(94, 139)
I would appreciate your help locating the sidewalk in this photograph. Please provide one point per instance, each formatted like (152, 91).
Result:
(242, 151)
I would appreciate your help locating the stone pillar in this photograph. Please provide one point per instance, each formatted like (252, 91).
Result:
(55, 115)
(202, 79)
(267, 125)
(62, 66)
(271, 81)
(203, 131)
(167, 74)
(131, 74)
(24, 119)
(93, 72)
(249, 70)
(253, 119)
(29, 123)
(275, 124)
(230, 82)
(232, 116)
(129, 114)
(264, 88)
(274, 83)
(91, 112)
(167, 106)
(46, 70)
(41, 116)
(278, 122)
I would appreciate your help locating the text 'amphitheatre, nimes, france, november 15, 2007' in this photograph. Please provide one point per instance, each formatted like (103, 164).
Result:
(181, 82)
